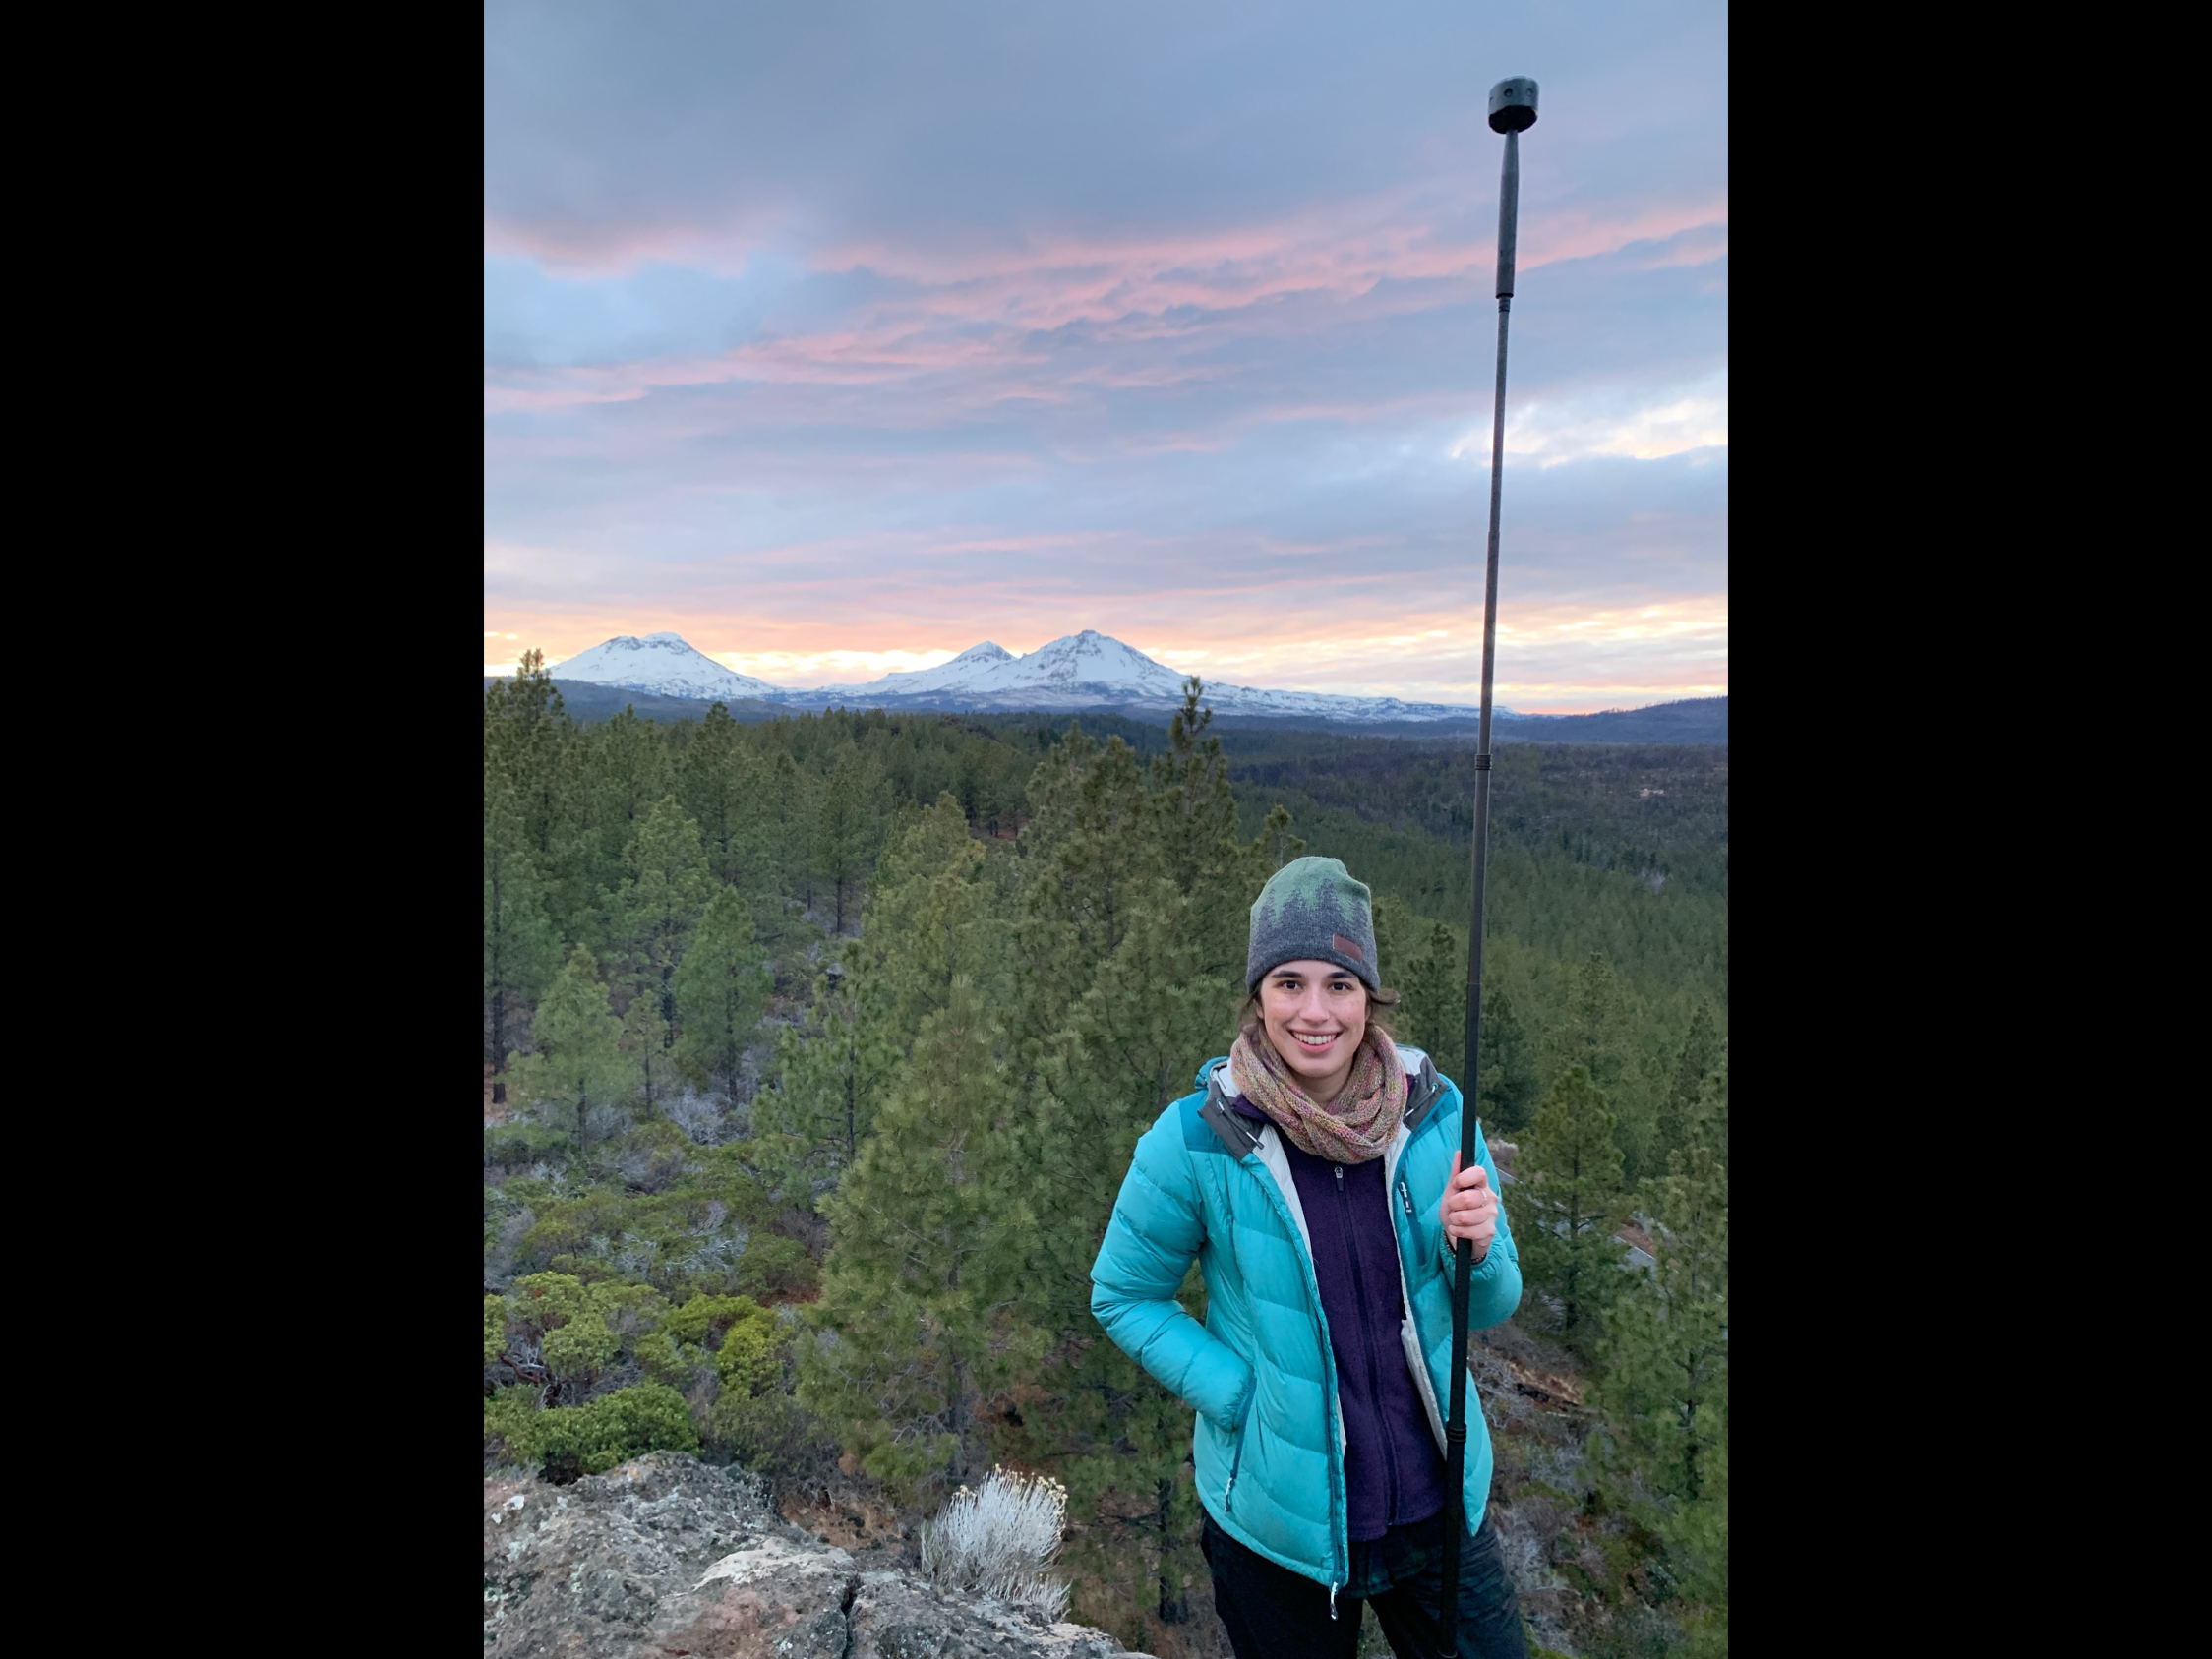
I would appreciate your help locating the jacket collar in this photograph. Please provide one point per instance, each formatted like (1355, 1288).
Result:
(1239, 1123)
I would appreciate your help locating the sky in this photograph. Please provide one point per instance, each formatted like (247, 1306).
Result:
(838, 336)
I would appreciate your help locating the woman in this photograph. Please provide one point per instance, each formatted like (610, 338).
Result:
(1314, 1176)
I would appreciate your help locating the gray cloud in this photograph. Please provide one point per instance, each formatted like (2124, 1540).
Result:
(1144, 307)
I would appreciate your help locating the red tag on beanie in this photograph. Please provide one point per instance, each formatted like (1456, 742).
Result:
(1349, 947)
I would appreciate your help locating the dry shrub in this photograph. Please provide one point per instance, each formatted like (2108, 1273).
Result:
(998, 1541)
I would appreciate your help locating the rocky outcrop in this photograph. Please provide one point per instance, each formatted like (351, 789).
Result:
(664, 1557)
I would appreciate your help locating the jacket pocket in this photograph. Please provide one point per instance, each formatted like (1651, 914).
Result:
(1236, 1461)
(1243, 1431)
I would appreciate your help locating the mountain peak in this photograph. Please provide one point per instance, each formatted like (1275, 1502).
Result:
(675, 668)
(1075, 663)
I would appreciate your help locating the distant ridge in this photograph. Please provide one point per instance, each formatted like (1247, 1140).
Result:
(1700, 721)
(1693, 720)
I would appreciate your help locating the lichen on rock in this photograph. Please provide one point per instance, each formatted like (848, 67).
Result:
(663, 1558)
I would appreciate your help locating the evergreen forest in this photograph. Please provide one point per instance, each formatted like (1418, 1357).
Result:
(816, 1048)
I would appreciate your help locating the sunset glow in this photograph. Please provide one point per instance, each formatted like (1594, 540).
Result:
(839, 362)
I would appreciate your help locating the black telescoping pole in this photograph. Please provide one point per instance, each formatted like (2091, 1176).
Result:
(1512, 111)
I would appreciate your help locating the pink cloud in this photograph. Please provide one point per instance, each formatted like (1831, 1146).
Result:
(973, 310)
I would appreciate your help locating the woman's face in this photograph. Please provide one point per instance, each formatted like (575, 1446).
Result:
(1316, 1015)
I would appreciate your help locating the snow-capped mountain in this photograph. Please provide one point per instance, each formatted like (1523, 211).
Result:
(1089, 669)
(953, 676)
(660, 663)
(1078, 670)
(1087, 666)
(1078, 663)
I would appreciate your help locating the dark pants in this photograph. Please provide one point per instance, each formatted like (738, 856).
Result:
(1273, 1613)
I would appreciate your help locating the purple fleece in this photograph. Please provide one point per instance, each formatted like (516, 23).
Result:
(1394, 1475)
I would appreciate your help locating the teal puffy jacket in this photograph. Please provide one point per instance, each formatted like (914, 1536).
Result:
(1269, 1442)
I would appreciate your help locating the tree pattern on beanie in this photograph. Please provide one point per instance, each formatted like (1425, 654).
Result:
(1312, 910)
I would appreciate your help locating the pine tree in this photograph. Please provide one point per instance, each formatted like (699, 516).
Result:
(1596, 1034)
(1126, 1050)
(1663, 1395)
(526, 728)
(1509, 1073)
(521, 951)
(721, 992)
(619, 777)
(577, 1063)
(1701, 1053)
(1434, 1015)
(932, 920)
(664, 891)
(1566, 1200)
(912, 1333)
(1090, 844)
(648, 1042)
(788, 818)
(1396, 930)
(808, 1124)
(1195, 817)
(1280, 845)
(724, 787)
(842, 830)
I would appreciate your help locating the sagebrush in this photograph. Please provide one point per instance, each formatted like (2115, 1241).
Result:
(999, 1539)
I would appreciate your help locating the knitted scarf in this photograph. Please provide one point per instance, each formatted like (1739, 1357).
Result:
(1353, 1128)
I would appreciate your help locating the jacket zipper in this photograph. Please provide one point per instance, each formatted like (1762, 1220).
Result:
(1405, 1290)
(1237, 1460)
(1228, 1492)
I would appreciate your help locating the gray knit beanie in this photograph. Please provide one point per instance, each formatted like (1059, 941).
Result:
(1312, 911)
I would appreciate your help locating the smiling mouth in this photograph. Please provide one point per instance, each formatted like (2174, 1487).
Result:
(1316, 1040)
